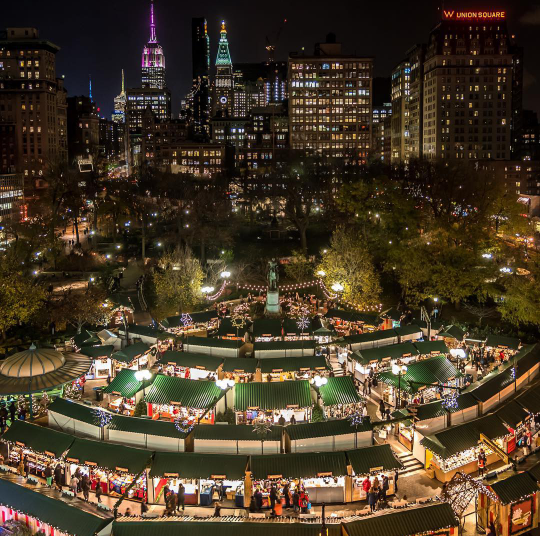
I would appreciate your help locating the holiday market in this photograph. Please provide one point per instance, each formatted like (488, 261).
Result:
(123, 393)
(215, 347)
(189, 365)
(292, 368)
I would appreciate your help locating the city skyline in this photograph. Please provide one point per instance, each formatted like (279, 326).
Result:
(247, 30)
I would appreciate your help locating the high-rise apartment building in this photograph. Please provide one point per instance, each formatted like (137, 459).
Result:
(83, 128)
(119, 113)
(400, 112)
(200, 93)
(381, 126)
(33, 131)
(330, 102)
(12, 207)
(223, 87)
(153, 59)
(472, 87)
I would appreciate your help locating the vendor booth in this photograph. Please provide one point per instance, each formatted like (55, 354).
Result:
(410, 333)
(85, 338)
(47, 516)
(73, 418)
(269, 401)
(499, 342)
(391, 318)
(432, 348)
(382, 358)
(517, 420)
(200, 475)
(239, 369)
(232, 329)
(428, 331)
(352, 322)
(466, 409)
(373, 463)
(293, 368)
(266, 330)
(135, 356)
(39, 447)
(216, 347)
(236, 439)
(113, 467)
(322, 475)
(146, 334)
(191, 323)
(123, 393)
(323, 333)
(512, 506)
(189, 365)
(174, 399)
(530, 401)
(453, 336)
(293, 330)
(326, 436)
(146, 433)
(495, 388)
(375, 339)
(339, 397)
(102, 364)
(264, 350)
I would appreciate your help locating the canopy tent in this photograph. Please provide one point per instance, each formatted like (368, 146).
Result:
(436, 370)
(191, 360)
(108, 337)
(38, 438)
(73, 410)
(409, 332)
(272, 396)
(131, 352)
(267, 327)
(339, 390)
(124, 384)
(498, 341)
(240, 365)
(530, 400)
(266, 349)
(187, 393)
(431, 348)
(373, 459)
(512, 414)
(147, 334)
(86, 338)
(293, 364)
(392, 351)
(195, 465)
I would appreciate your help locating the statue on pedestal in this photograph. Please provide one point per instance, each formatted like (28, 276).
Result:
(272, 294)
(273, 275)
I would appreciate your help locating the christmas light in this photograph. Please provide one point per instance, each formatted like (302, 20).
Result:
(186, 320)
(102, 417)
(356, 419)
(303, 323)
(184, 424)
(450, 401)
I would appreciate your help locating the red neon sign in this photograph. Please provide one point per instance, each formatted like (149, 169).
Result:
(473, 15)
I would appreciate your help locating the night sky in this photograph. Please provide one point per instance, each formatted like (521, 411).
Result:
(101, 37)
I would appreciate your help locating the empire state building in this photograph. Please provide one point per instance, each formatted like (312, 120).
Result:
(153, 59)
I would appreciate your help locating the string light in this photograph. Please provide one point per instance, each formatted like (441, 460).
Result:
(218, 294)
(184, 424)
(186, 320)
(450, 401)
(356, 419)
(303, 323)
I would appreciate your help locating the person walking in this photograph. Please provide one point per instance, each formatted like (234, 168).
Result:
(384, 488)
(181, 497)
(99, 491)
(296, 501)
(396, 476)
(366, 485)
(85, 485)
(48, 474)
(382, 409)
(259, 499)
(74, 484)
(287, 494)
(58, 476)
(217, 509)
(273, 498)
(372, 498)
(20, 467)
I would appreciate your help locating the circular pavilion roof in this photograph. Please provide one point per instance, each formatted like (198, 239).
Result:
(32, 362)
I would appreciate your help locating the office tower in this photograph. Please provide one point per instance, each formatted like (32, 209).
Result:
(415, 58)
(200, 93)
(330, 102)
(153, 59)
(83, 128)
(223, 87)
(119, 113)
(111, 140)
(400, 112)
(381, 125)
(33, 131)
(12, 208)
(529, 140)
(472, 87)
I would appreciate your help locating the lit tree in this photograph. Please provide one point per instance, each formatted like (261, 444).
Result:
(521, 301)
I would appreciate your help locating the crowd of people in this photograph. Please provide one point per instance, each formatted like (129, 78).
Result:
(296, 499)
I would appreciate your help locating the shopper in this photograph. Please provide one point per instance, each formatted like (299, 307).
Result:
(99, 491)
(48, 474)
(85, 486)
(273, 498)
(296, 501)
(74, 484)
(481, 462)
(287, 494)
(372, 498)
(181, 497)
(58, 476)
(366, 484)
(217, 509)
(384, 488)
(259, 499)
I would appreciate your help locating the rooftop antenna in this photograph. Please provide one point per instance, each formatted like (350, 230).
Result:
(90, 86)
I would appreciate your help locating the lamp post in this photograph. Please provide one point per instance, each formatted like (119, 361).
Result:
(399, 370)
(338, 288)
(142, 376)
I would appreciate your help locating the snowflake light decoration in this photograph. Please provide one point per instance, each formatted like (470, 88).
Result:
(238, 321)
(356, 419)
(102, 417)
(186, 320)
(303, 323)
(513, 373)
(450, 401)
(184, 424)
(261, 428)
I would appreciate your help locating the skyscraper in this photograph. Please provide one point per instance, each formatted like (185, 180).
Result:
(222, 97)
(119, 113)
(200, 93)
(153, 59)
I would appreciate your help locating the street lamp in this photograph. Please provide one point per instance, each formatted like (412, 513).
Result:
(142, 376)
(399, 370)
(207, 290)
(337, 287)
(225, 274)
(321, 273)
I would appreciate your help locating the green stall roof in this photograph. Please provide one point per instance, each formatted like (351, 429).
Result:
(232, 432)
(515, 487)
(326, 428)
(121, 300)
(283, 345)
(453, 332)
(426, 347)
(146, 331)
(430, 410)
(129, 353)
(298, 465)
(73, 410)
(272, 395)
(267, 327)
(200, 317)
(95, 352)
(417, 520)
(410, 329)
(86, 338)
(290, 327)
(512, 414)
(124, 383)
(198, 394)
(137, 425)
(191, 360)
(214, 343)
(370, 459)
(492, 385)
(498, 341)
(38, 438)
(353, 316)
(339, 390)
(372, 336)
(56, 513)
(534, 471)
(195, 465)
(530, 400)
(240, 364)
(392, 351)
(289, 364)
(204, 528)
(109, 456)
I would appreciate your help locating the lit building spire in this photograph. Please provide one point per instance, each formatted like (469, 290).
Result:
(90, 86)
(123, 87)
(153, 38)
(223, 55)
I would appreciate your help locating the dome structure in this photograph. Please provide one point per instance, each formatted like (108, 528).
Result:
(32, 362)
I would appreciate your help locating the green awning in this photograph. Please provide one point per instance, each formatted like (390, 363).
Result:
(530, 400)
(373, 459)
(200, 317)
(131, 352)
(240, 364)
(191, 360)
(419, 520)
(73, 410)
(430, 410)
(515, 487)
(64, 517)
(283, 346)
(267, 327)
(96, 352)
(371, 337)
(195, 465)
(326, 429)
(232, 432)
(411, 329)
(290, 364)
(197, 394)
(339, 390)
(137, 425)
(86, 338)
(108, 456)
(429, 347)
(214, 343)
(492, 385)
(453, 332)
(290, 327)
(272, 395)
(121, 301)
(391, 351)
(298, 465)
(124, 384)
(498, 341)
(512, 414)
(145, 331)
(38, 438)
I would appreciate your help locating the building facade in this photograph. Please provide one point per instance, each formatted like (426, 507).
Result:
(330, 102)
(83, 128)
(400, 112)
(12, 207)
(119, 112)
(223, 87)
(153, 59)
(382, 135)
(33, 109)
(199, 97)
